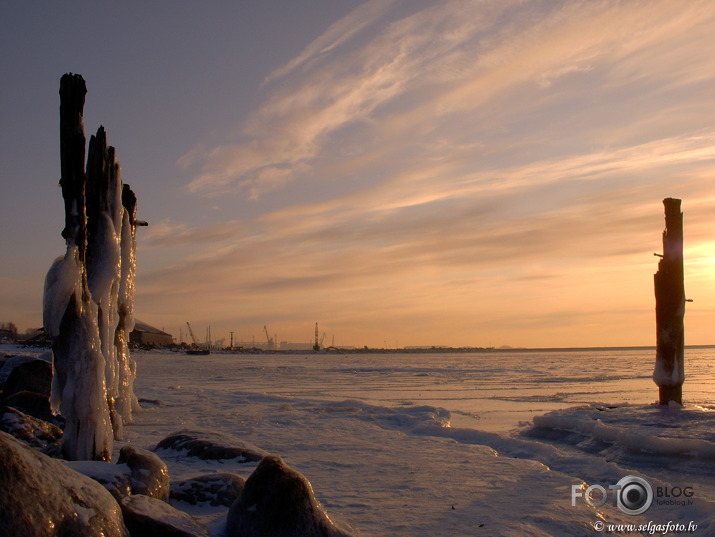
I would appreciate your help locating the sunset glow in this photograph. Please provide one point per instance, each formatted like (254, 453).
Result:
(479, 173)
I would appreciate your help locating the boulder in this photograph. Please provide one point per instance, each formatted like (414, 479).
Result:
(149, 517)
(32, 403)
(11, 362)
(32, 431)
(29, 376)
(41, 497)
(116, 478)
(210, 445)
(149, 474)
(278, 501)
(214, 489)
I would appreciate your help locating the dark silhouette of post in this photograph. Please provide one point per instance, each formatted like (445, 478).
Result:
(89, 292)
(669, 372)
(72, 152)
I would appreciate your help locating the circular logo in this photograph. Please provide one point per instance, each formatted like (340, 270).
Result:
(634, 495)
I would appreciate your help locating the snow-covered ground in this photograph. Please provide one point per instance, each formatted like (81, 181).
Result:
(450, 444)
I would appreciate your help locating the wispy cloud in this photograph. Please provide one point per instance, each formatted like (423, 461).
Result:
(461, 153)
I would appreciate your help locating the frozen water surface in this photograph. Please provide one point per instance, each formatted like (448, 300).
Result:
(443, 444)
(446, 444)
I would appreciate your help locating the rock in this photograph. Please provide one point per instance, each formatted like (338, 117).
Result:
(278, 501)
(15, 361)
(149, 402)
(149, 474)
(215, 489)
(41, 497)
(210, 445)
(116, 478)
(33, 403)
(29, 376)
(32, 431)
(149, 517)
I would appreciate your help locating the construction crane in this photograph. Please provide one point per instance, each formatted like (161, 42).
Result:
(191, 333)
(269, 342)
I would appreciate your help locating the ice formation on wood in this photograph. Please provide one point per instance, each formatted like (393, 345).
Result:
(89, 292)
(126, 403)
(104, 226)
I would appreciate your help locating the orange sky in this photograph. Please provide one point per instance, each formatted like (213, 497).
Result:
(404, 173)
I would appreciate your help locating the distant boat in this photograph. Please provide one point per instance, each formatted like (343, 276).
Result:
(198, 351)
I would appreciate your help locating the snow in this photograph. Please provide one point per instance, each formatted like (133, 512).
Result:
(664, 377)
(447, 444)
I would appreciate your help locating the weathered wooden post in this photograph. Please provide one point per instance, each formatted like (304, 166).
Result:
(89, 292)
(69, 315)
(669, 372)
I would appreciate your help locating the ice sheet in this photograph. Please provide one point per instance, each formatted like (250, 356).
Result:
(423, 445)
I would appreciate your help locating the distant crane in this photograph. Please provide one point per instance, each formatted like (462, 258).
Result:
(269, 342)
(195, 347)
(191, 333)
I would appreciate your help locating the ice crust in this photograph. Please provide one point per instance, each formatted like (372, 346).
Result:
(63, 280)
(388, 459)
(94, 384)
(385, 442)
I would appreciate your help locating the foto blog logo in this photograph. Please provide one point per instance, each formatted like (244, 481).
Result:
(632, 495)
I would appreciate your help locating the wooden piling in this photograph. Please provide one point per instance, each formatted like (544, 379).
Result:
(72, 152)
(669, 372)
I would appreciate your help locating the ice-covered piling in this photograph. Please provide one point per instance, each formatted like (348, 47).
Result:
(669, 372)
(126, 403)
(89, 292)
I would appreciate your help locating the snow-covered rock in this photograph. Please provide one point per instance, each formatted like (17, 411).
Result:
(214, 489)
(34, 404)
(32, 375)
(15, 361)
(41, 497)
(211, 445)
(149, 474)
(149, 517)
(116, 478)
(32, 431)
(277, 500)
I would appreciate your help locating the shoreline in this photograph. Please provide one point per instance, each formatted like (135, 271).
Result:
(376, 350)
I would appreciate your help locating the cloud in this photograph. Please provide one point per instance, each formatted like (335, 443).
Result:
(485, 160)
(167, 234)
(337, 34)
(435, 73)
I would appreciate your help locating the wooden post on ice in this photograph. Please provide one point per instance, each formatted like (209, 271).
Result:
(669, 372)
(89, 292)
(72, 151)
(78, 387)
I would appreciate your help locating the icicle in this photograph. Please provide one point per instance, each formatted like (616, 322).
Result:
(126, 402)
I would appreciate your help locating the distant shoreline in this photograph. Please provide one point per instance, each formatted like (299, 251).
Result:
(413, 350)
(437, 350)
(466, 350)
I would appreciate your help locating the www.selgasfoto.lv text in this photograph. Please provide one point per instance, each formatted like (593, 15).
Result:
(652, 528)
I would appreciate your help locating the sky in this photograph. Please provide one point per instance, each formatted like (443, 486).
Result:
(403, 172)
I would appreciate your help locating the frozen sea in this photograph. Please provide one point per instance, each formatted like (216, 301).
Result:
(451, 444)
